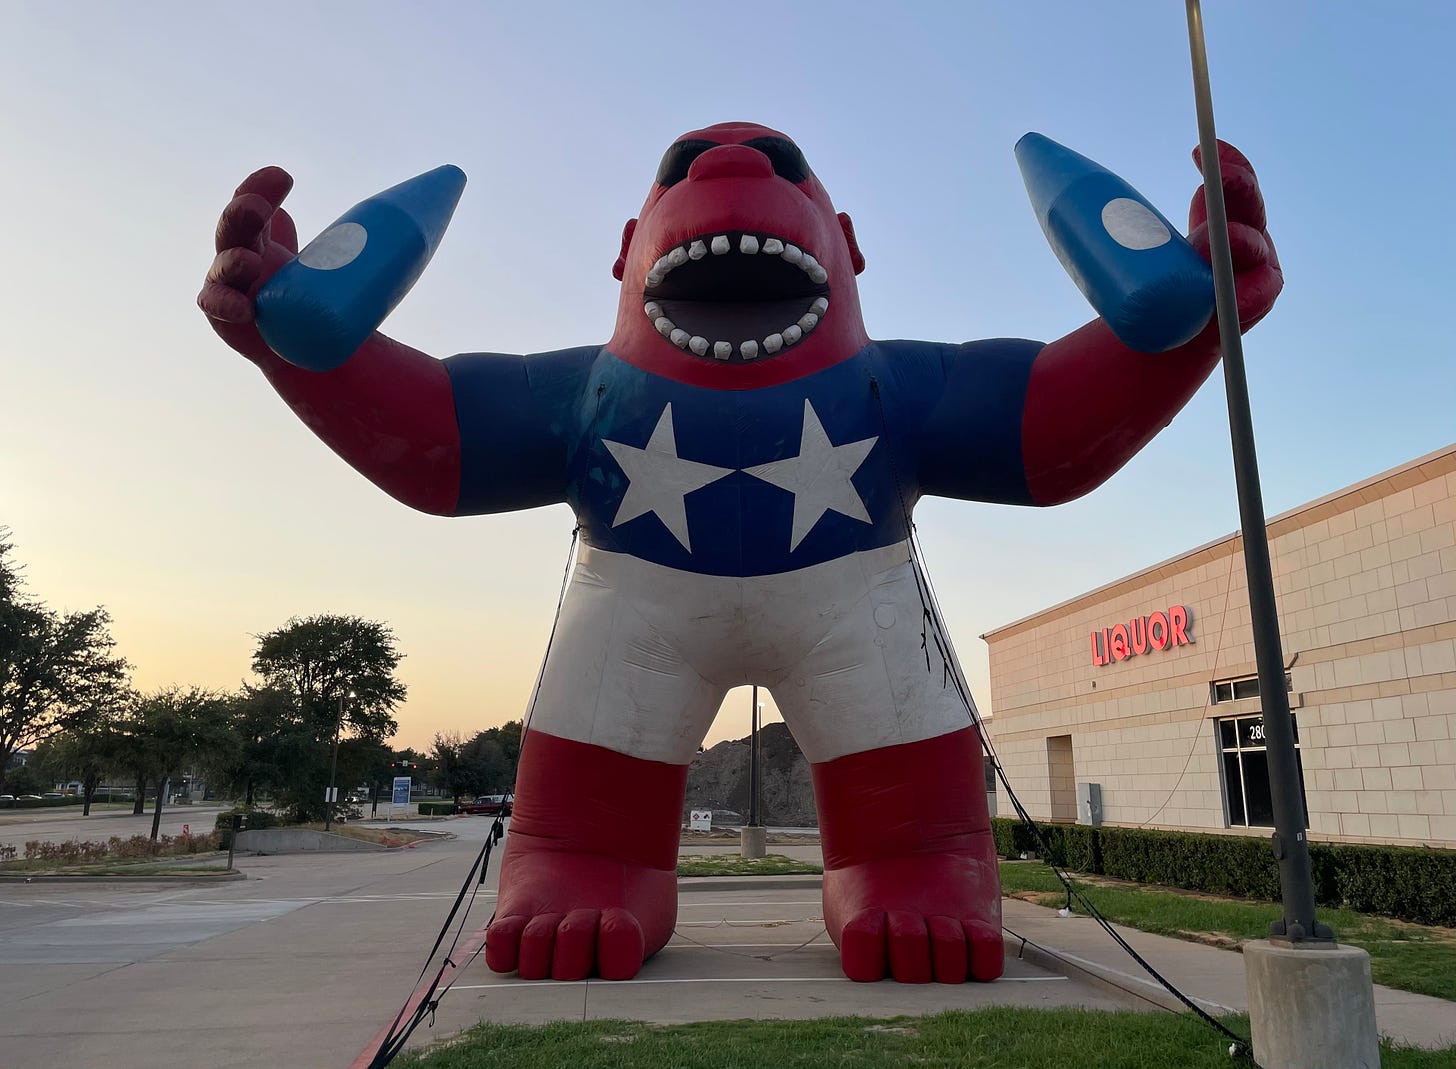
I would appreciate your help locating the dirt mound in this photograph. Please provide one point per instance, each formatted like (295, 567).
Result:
(718, 779)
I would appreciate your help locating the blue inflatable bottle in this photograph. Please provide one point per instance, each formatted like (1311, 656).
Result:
(1135, 269)
(319, 307)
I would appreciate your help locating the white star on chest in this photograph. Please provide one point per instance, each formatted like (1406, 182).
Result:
(819, 477)
(658, 480)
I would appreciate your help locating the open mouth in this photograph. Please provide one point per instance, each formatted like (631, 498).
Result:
(736, 296)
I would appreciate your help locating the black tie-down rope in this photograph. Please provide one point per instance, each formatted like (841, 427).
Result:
(403, 1027)
(934, 632)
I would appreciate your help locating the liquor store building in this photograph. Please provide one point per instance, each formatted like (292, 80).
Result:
(1141, 698)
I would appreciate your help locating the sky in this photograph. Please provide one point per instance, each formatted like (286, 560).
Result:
(147, 468)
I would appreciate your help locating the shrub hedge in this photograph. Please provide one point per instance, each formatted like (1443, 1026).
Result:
(437, 809)
(1411, 883)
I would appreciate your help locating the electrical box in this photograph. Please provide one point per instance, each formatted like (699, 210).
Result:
(1089, 804)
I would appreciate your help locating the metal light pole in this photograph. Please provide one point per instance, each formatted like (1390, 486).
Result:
(329, 798)
(1291, 848)
(1311, 1002)
(753, 767)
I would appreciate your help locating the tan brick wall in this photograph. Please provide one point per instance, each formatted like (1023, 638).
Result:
(1366, 586)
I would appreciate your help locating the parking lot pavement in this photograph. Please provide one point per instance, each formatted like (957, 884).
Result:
(303, 963)
(20, 826)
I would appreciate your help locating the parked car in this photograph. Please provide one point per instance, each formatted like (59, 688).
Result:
(489, 805)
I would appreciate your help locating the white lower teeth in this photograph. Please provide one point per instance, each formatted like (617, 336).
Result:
(748, 245)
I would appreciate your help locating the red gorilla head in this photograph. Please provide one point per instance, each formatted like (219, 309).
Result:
(737, 273)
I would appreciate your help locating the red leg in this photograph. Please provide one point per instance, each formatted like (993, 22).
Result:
(911, 886)
(589, 880)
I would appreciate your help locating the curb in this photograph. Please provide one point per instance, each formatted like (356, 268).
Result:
(1104, 977)
(202, 877)
(750, 883)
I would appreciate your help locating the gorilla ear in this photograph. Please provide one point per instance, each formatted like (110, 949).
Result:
(620, 267)
(855, 256)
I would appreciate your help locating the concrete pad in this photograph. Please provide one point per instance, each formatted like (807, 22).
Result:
(1213, 977)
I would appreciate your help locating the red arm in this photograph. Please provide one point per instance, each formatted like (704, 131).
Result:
(1092, 402)
(388, 411)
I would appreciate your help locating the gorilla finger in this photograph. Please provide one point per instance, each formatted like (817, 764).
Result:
(225, 304)
(235, 267)
(1247, 246)
(1228, 156)
(242, 223)
(1257, 291)
(282, 230)
(270, 183)
(1242, 200)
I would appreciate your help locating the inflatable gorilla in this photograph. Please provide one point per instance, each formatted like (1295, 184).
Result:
(742, 460)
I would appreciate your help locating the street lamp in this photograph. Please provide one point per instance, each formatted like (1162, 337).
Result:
(332, 794)
(752, 837)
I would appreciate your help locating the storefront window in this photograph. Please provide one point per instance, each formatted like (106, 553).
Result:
(1232, 690)
(1247, 800)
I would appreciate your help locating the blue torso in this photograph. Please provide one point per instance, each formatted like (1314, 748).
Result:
(898, 419)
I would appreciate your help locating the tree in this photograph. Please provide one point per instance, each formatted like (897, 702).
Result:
(337, 673)
(53, 666)
(90, 746)
(172, 730)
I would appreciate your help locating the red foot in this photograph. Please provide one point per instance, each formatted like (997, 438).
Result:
(911, 887)
(918, 918)
(569, 916)
(589, 880)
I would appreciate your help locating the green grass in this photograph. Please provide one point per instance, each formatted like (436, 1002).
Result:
(1410, 957)
(733, 865)
(1002, 1037)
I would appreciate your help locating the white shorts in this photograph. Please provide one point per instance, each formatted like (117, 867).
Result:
(644, 654)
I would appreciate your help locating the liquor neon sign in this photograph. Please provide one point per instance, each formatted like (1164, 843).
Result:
(1161, 630)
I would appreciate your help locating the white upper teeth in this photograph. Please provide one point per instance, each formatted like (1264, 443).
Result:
(748, 245)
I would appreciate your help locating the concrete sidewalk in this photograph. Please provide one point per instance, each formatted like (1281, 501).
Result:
(1214, 978)
(1078, 948)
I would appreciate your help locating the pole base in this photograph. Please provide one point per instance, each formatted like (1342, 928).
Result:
(752, 840)
(1311, 1009)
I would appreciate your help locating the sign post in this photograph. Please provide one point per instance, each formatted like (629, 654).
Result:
(400, 794)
